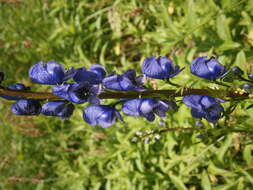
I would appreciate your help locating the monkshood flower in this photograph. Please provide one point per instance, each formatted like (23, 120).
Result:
(204, 107)
(94, 75)
(51, 73)
(159, 68)
(126, 81)
(147, 107)
(78, 93)
(102, 115)
(17, 86)
(206, 68)
(26, 107)
(58, 108)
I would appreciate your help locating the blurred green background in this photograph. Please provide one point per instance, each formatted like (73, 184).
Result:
(42, 153)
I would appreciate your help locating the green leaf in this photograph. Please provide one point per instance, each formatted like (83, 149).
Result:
(247, 155)
(177, 182)
(223, 149)
(248, 176)
(205, 182)
(223, 28)
(191, 17)
(240, 59)
(218, 171)
(228, 45)
(40, 185)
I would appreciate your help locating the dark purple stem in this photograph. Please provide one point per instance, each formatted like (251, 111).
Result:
(164, 94)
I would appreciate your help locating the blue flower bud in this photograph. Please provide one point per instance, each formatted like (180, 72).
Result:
(26, 107)
(147, 107)
(58, 108)
(51, 73)
(78, 93)
(159, 68)
(204, 107)
(248, 87)
(209, 69)
(126, 81)
(17, 86)
(250, 76)
(94, 75)
(101, 115)
(237, 70)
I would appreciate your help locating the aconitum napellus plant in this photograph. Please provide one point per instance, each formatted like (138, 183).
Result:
(129, 89)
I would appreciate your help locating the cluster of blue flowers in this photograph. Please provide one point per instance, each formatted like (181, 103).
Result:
(89, 83)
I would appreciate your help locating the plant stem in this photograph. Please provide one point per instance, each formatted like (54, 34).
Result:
(172, 83)
(233, 95)
(221, 83)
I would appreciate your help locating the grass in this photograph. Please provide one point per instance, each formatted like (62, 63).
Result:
(48, 153)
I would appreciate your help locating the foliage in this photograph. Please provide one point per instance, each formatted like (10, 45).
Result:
(48, 153)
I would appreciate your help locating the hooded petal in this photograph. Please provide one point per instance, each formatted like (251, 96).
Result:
(99, 70)
(198, 113)
(215, 67)
(131, 107)
(214, 113)
(90, 114)
(140, 80)
(106, 119)
(207, 68)
(69, 74)
(149, 116)
(62, 90)
(159, 68)
(130, 74)
(193, 101)
(118, 82)
(83, 75)
(47, 73)
(26, 107)
(58, 108)
(101, 115)
(94, 100)
(163, 107)
(207, 101)
(204, 107)
(147, 105)
(94, 75)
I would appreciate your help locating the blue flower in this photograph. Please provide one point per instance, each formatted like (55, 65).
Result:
(159, 68)
(147, 107)
(17, 86)
(101, 115)
(204, 107)
(26, 107)
(94, 75)
(126, 81)
(58, 108)
(209, 69)
(78, 93)
(51, 73)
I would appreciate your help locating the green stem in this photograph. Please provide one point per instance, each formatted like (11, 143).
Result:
(221, 83)
(173, 84)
